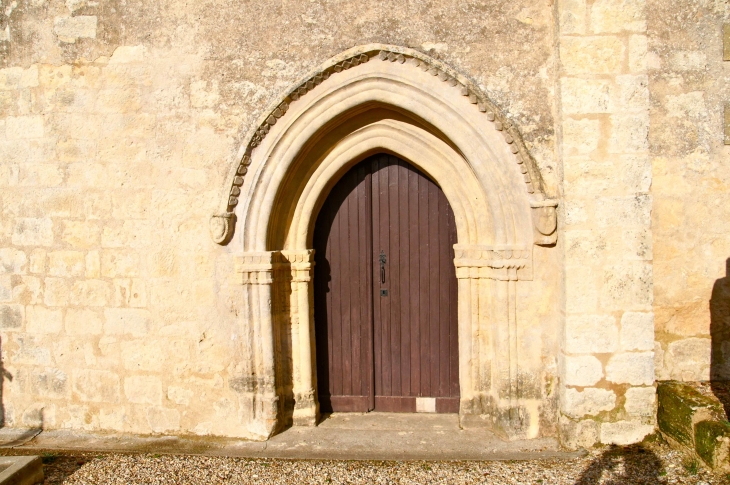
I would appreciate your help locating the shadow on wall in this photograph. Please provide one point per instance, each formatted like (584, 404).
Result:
(4, 375)
(720, 335)
(624, 465)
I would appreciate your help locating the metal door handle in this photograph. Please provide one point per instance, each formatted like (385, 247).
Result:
(383, 260)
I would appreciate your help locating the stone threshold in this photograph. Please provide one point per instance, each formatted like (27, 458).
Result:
(344, 436)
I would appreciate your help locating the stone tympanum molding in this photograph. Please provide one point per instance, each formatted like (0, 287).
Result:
(352, 58)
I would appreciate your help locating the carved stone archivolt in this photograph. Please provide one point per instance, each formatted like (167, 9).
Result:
(222, 228)
(388, 99)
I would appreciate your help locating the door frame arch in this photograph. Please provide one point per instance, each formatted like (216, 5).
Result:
(392, 99)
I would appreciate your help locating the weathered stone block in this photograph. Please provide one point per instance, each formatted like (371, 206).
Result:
(119, 263)
(96, 385)
(66, 263)
(37, 261)
(144, 355)
(586, 334)
(93, 264)
(624, 432)
(42, 320)
(56, 291)
(95, 293)
(161, 420)
(637, 331)
(637, 53)
(49, 383)
(614, 16)
(179, 395)
(689, 359)
(81, 234)
(143, 389)
(83, 321)
(589, 402)
(12, 261)
(578, 434)
(21, 127)
(33, 232)
(629, 133)
(680, 408)
(32, 350)
(68, 29)
(634, 210)
(635, 368)
(584, 96)
(125, 54)
(712, 443)
(572, 16)
(640, 401)
(627, 287)
(582, 371)
(6, 288)
(11, 316)
(592, 55)
(132, 321)
(581, 135)
(581, 289)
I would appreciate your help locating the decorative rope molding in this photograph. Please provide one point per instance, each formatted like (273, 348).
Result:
(222, 225)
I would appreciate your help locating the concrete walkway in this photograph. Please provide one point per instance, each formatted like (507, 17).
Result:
(346, 436)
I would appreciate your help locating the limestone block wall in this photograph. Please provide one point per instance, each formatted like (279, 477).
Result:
(603, 104)
(118, 125)
(689, 86)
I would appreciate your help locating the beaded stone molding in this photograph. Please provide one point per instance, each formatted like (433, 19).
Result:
(221, 225)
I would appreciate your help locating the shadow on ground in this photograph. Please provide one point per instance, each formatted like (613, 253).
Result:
(624, 465)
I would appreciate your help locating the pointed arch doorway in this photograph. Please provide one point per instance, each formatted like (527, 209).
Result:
(385, 292)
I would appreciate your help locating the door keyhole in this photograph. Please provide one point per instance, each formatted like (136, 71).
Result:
(383, 260)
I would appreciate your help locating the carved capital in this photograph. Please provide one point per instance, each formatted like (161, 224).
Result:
(221, 227)
(257, 267)
(300, 263)
(545, 222)
(492, 262)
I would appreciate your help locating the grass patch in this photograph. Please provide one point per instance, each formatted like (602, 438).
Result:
(691, 466)
(48, 457)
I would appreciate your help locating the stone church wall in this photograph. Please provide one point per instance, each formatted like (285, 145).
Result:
(118, 125)
(120, 121)
(689, 87)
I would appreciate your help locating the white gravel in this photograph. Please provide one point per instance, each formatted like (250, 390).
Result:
(655, 464)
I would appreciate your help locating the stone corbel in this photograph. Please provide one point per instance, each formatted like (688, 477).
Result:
(221, 227)
(545, 222)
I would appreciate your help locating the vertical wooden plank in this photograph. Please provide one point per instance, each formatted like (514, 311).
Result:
(367, 288)
(414, 280)
(435, 284)
(424, 275)
(444, 295)
(335, 288)
(454, 312)
(393, 273)
(404, 278)
(357, 276)
(347, 275)
(383, 243)
(375, 272)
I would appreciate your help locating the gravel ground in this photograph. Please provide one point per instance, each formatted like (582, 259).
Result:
(652, 464)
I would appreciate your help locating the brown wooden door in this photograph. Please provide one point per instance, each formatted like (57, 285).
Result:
(385, 292)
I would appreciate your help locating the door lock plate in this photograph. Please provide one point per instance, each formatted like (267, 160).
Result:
(383, 292)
